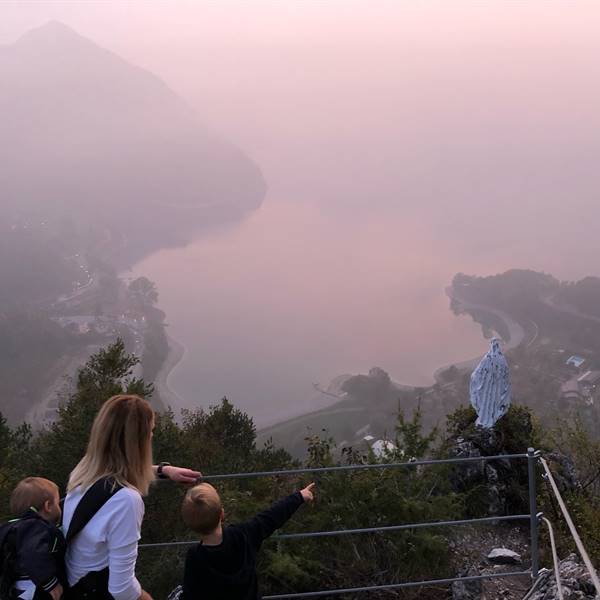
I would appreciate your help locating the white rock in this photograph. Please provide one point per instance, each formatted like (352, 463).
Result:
(504, 556)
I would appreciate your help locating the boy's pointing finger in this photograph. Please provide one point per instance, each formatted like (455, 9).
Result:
(307, 492)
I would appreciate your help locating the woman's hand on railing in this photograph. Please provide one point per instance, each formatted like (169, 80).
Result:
(181, 474)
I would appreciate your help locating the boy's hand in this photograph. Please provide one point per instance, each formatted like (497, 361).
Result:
(56, 592)
(307, 493)
(145, 596)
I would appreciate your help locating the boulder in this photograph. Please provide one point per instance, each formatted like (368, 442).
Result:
(564, 472)
(468, 590)
(504, 556)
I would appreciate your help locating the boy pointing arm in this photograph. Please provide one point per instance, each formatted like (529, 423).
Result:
(222, 566)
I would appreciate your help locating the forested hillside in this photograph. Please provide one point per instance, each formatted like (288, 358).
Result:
(223, 440)
(108, 144)
(100, 164)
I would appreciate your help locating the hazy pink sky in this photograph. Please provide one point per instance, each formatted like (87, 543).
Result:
(443, 136)
(231, 22)
(239, 61)
(458, 112)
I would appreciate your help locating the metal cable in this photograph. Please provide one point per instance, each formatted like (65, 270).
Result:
(582, 551)
(414, 463)
(314, 534)
(408, 584)
(535, 586)
(554, 559)
(391, 586)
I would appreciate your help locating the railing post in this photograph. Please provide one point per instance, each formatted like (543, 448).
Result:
(533, 516)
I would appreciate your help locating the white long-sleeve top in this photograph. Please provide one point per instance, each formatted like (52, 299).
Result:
(110, 539)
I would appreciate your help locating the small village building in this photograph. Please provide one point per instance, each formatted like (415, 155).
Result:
(581, 388)
(576, 361)
(569, 390)
(588, 382)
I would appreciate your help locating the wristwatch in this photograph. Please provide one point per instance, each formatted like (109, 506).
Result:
(159, 471)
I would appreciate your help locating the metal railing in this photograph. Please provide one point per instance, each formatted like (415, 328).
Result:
(574, 534)
(533, 517)
(555, 561)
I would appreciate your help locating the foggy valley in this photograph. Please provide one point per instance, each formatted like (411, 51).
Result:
(379, 170)
(312, 239)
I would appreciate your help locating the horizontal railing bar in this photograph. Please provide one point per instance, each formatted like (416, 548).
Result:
(314, 534)
(289, 536)
(414, 463)
(391, 586)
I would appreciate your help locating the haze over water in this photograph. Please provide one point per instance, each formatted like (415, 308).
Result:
(401, 143)
(423, 143)
(294, 296)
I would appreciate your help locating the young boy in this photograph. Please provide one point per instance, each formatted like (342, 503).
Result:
(32, 548)
(223, 565)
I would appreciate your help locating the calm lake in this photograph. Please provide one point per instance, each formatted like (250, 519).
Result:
(391, 166)
(295, 295)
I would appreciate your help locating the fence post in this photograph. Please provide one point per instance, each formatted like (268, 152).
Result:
(533, 516)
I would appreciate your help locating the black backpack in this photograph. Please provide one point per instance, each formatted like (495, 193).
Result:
(91, 502)
(7, 558)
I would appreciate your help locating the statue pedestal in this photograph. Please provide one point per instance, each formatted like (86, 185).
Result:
(497, 487)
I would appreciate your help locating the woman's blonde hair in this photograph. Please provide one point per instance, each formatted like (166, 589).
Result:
(120, 445)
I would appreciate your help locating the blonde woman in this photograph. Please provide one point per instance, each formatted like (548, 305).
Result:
(103, 509)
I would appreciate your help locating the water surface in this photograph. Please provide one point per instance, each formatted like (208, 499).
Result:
(296, 295)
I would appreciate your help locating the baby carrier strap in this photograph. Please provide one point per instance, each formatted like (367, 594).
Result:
(93, 585)
(91, 502)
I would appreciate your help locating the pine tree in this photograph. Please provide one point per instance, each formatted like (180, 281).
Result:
(58, 448)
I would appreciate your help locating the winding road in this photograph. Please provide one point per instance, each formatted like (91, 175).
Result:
(515, 330)
(566, 308)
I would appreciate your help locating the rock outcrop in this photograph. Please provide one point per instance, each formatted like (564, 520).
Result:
(495, 475)
(494, 487)
(574, 579)
(467, 590)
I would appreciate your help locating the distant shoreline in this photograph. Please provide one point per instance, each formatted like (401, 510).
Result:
(175, 356)
(177, 352)
(516, 330)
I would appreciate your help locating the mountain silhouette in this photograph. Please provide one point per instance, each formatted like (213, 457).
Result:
(88, 135)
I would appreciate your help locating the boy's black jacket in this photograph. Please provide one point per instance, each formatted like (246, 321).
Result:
(228, 571)
(35, 550)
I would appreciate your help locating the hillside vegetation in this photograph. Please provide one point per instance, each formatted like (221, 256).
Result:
(223, 439)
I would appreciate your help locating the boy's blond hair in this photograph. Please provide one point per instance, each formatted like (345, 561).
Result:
(202, 508)
(32, 492)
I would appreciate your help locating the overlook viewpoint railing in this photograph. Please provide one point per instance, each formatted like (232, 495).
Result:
(532, 516)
